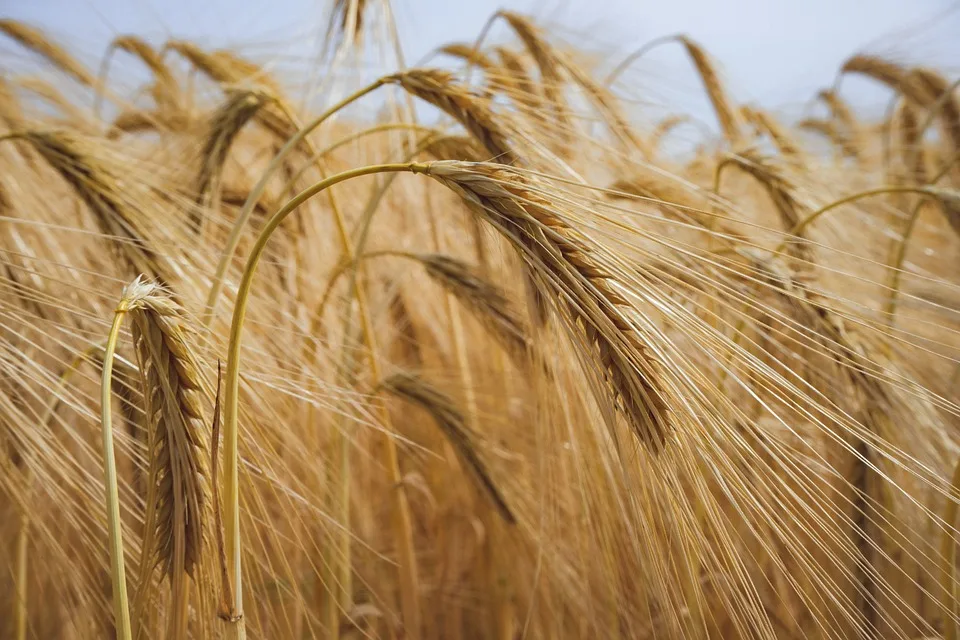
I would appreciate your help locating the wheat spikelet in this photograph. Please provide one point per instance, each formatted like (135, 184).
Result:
(474, 112)
(98, 186)
(346, 21)
(895, 76)
(165, 89)
(455, 148)
(451, 422)
(517, 79)
(470, 55)
(407, 338)
(511, 203)
(550, 68)
(833, 133)
(138, 121)
(910, 144)
(944, 94)
(35, 40)
(665, 127)
(487, 302)
(843, 114)
(178, 491)
(225, 125)
(782, 139)
(729, 117)
(674, 200)
(778, 186)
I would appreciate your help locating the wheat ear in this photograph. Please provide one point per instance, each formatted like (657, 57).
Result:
(178, 493)
(35, 40)
(451, 422)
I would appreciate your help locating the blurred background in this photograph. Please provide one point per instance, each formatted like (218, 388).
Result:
(774, 52)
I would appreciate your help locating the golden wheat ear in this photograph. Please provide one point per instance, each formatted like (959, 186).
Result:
(485, 301)
(450, 419)
(178, 493)
(514, 204)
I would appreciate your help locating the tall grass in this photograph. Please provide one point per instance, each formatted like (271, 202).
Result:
(518, 370)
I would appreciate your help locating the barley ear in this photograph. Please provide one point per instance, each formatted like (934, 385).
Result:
(451, 422)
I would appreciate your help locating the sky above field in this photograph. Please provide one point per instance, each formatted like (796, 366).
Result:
(775, 52)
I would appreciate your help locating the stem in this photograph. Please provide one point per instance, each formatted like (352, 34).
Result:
(803, 224)
(633, 57)
(900, 251)
(248, 206)
(121, 610)
(948, 556)
(231, 489)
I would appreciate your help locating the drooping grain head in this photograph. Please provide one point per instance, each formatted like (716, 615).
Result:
(727, 114)
(779, 135)
(487, 302)
(455, 148)
(555, 253)
(469, 54)
(165, 89)
(517, 81)
(911, 146)
(35, 40)
(451, 422)
(894, 75)
(224, 127)
(99, 187)
(474, 112)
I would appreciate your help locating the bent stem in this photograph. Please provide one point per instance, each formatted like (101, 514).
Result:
(121, 609)
(231, 489)
(234, 240)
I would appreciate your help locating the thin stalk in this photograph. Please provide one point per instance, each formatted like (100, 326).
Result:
(121, 609)
(900, 250)
(803, 224)
(232, 515)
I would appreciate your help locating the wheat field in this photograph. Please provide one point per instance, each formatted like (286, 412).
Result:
(471, 350)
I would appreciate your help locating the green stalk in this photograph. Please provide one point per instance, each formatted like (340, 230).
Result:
(231, 430)
(121, 609)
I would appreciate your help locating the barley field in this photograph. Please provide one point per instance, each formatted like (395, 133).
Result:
(471, 350)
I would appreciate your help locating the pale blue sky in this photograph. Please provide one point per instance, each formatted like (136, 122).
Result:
(776, 52)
